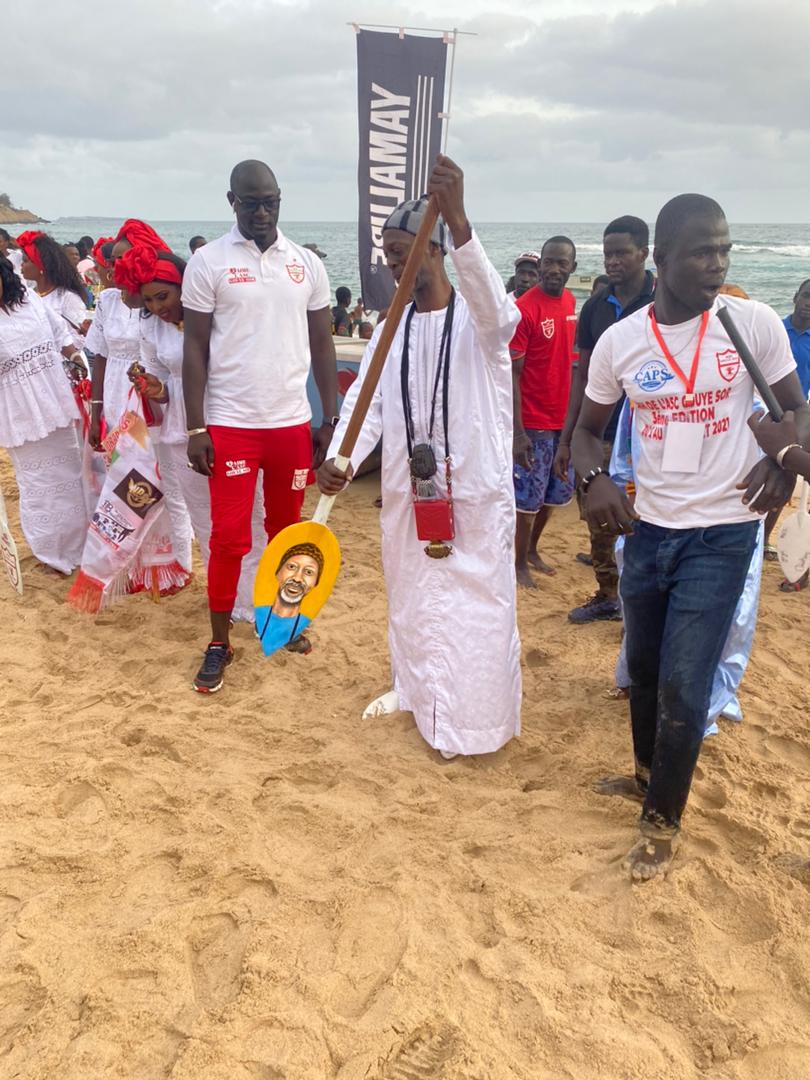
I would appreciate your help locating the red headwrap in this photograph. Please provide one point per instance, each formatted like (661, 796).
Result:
(138, 232)
(142, 264)
(99, 244)
(26, 242)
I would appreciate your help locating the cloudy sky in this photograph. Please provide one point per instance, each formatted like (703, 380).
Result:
(568, 111)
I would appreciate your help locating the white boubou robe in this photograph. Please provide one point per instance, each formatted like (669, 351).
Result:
(455, 652)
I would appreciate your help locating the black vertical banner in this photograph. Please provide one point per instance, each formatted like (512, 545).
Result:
(400, 99)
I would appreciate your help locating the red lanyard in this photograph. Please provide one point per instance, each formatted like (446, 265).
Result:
(689, 396)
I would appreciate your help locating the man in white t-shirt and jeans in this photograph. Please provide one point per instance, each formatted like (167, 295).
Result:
(256, 315)
(691, 535)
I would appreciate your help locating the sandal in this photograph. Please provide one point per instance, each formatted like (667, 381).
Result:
(794, 586)
(618, 693)
(771, 554)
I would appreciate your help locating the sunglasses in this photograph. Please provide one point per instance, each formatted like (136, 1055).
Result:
(251, 206)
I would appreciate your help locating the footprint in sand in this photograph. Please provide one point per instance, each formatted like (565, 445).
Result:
(216, 948)
(370, 944)
(22, 997)
(789, 751)
(709, 795)
(744, 916)
(422, 1056)
(81, 800)
(795, 865)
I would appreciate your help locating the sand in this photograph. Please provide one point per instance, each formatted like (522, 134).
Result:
(258, 885)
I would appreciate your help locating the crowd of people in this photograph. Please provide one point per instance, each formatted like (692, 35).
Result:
(496, 405)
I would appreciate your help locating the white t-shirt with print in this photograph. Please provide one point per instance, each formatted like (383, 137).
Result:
(259, 350)
(628, 358)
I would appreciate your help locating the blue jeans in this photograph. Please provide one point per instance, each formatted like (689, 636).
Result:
(679, 590)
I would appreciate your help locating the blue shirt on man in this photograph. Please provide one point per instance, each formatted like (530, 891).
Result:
(800, 347)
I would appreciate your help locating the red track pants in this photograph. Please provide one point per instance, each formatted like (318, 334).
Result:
(285, 457)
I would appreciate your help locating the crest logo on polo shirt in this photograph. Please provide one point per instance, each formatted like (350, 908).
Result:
(728, 364)
(548, 328)
(296, 272)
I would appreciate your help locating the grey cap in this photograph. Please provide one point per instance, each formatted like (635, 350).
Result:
(408, 217)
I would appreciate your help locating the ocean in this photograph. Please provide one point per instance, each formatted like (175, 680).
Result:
(768, 261)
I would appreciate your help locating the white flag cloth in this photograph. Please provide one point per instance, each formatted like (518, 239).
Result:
(128, 546)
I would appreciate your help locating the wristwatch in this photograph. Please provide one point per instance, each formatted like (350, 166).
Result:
(333, 421)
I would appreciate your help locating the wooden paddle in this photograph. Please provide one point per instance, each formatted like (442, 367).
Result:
(291, 551)
(390, 326)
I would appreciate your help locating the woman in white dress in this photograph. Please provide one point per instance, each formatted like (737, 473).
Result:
(115, 334)
(158, 276)
(114, 338)
(46, 264)
(37, 424)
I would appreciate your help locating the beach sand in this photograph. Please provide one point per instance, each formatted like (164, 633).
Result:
(258, 885)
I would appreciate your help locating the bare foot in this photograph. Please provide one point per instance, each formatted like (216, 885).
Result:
(524, 578)
(300, 645)
(536, 560)
(626, 787)
(51, 570)
(650, 857)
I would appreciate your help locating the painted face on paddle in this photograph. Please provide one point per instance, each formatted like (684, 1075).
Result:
(162, 298)
(623, 258)
(396, 247)
(557, 264)
(527, 275)
(298, 576)
(256, 201)
(693, 266)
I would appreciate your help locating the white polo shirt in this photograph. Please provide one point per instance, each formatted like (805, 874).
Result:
(259, 353)
(672, 491)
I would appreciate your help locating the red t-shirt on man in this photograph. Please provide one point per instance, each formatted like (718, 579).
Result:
(545, 336)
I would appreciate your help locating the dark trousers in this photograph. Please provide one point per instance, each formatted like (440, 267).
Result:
(603, 543)
(679, 590)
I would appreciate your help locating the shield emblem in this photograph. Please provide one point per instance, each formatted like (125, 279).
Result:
(728, 364)
(548, 328)
(296, 272)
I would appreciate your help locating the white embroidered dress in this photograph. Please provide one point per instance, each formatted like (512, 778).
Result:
(37, 426)
(455, 652)
(187, 492)
(116, 335)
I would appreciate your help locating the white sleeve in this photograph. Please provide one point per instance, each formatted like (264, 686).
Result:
(198, 287)
(149, 355)
(771, 345)
(75, 310)
(371, 430)
(493, 314)
(59, 328)
(603, 386)
(95, 341)
(321, 295)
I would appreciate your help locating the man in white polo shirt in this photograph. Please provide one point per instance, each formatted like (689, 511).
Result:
(690, 537)
(256, 314)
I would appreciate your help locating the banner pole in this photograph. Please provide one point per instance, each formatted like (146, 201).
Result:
(449, 101)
